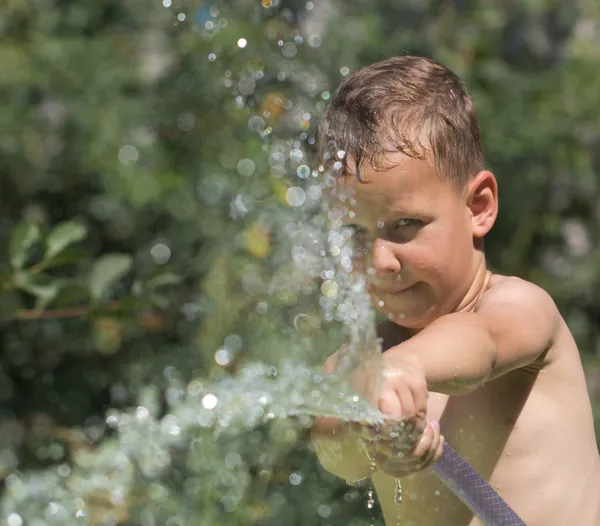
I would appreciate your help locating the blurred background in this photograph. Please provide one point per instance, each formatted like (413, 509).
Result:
(154, 156)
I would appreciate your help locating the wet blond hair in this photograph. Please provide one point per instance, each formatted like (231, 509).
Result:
(407, 104)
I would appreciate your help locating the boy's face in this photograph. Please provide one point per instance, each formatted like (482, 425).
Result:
(414, 239)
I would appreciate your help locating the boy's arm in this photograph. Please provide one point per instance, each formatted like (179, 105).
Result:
(514, 325)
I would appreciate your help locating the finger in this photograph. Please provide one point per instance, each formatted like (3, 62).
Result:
(405, 396)
(390, 404)
(440, 449)
(434, 451)
(425, 443)
(419, 397)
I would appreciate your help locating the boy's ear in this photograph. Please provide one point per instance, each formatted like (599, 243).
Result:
(482, 200)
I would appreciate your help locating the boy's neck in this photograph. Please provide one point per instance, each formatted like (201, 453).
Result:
(478, 287)
(470, 300)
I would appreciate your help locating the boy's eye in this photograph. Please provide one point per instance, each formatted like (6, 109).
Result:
(402, 223)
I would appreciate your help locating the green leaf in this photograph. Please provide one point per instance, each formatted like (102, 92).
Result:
(105, 271)
(22, 238)
(71, 293)
(62, 236)
(68, 256)
(162, 280)
(45, 288)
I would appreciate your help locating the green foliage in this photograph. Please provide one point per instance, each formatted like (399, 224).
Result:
(146, 160)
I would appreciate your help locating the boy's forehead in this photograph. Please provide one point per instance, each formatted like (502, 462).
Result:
(389, 177)
(389, 185)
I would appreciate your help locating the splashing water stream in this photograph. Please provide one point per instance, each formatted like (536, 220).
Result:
(311, 247)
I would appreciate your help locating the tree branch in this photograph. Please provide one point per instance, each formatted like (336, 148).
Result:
(68, 312)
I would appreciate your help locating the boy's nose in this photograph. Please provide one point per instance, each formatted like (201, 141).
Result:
(383, 258)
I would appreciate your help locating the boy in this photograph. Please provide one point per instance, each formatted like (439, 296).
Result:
(485, 358)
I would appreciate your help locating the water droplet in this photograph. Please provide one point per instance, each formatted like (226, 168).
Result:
(14, 520)
(209, 401)
(161, 253)
(181, 17)
(212, 57)
(128, 154)
(246, 167)
(242, 43)
(324, 511)
(370, 499)
(167, 3)
(230, 503)
(329, 288)
(299, 320)
(296, 155)
(344, 71)
(380, 224)
(295, 196)
(314, 41)
(380, 303)
(223, 357)
(398, 492)
(246, 86)
(295, 479)
(303, 172)
(256, 124)
(142, 413)
(233, 342)
(186, 121)
(289, 50)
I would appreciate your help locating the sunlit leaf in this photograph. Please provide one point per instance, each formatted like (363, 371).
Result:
(162, 280)
(22, 239)
(63, 235)
(45, 288)
(258, 241)
(106, 271)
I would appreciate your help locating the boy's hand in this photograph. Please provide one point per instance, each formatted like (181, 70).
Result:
(403, 444)
(403, 394)
(394, 450)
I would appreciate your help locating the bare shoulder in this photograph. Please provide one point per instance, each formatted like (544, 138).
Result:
(519, 295)
(522, 318)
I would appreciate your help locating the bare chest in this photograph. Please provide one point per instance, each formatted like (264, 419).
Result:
(485, 424)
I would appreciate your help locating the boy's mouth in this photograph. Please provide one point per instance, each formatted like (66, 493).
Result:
(372, 287)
